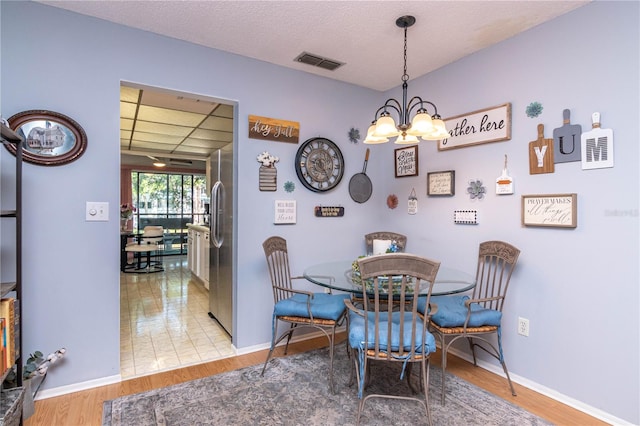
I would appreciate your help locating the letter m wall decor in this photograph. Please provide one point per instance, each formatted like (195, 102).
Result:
(597, 146)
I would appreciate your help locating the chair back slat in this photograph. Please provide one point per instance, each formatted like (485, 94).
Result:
(396, 277)
(275, 249)
(496, 261)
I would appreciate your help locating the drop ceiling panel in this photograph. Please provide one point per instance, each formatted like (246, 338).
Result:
(201, 143)
(212, 134)
(129, 94)
(178, 103)
(218, 123)
(128, 110)
(126, 124)
(169, 116)
(156, 137)
(224, 110)
(152, 146)
(161, 128)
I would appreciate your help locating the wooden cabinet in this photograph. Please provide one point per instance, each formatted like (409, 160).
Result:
(13, 290)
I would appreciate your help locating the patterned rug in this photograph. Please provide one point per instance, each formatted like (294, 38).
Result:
(295, 391)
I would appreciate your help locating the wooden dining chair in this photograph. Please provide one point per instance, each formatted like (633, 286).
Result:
(299, 308)
(401, 240)
(479, 316)
(389, 327)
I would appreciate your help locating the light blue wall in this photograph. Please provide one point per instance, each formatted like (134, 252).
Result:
(578, 288)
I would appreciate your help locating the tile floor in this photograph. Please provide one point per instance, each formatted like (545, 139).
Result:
(164, 321)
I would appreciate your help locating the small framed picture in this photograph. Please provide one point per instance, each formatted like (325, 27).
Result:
(554, 210)
(406, 161)
(51, 138)
(285, 212)
(441, 183)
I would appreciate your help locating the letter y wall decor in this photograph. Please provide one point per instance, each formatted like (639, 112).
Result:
(541, 154)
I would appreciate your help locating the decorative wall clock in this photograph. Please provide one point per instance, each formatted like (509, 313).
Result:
(319, 164)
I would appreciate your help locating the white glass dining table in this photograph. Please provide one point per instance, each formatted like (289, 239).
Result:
(337, 275)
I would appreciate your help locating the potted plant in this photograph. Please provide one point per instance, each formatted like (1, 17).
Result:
(126, 211)
(33, 374)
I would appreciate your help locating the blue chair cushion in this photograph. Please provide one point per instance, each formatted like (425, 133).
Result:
(452, 312)
(324, 306)
(356, 332)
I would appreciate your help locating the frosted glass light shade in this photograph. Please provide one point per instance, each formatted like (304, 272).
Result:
(421, 125)
(406, 140)
(386, 127)
(371, 139)
(439, 131)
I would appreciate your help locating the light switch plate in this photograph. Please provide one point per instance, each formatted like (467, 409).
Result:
(97, 211)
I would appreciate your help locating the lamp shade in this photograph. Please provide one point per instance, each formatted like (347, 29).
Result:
(371, 139)
(421, 125)
(439, 131)
(406, 140)
(386, 127)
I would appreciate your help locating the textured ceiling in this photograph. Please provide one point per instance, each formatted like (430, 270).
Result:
(362, 35)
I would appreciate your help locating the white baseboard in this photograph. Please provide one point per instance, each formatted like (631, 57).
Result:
(537, 387)
(77, 387)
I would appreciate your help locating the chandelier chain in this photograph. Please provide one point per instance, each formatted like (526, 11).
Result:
(405, 77)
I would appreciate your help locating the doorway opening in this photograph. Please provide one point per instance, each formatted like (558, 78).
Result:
(169, 136)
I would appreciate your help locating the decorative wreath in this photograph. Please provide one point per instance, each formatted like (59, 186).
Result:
(392, 201)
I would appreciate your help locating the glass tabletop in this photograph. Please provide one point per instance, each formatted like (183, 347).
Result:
(337, 275)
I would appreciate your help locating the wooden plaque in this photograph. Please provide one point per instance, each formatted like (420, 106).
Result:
(541, 154)
(273, 129)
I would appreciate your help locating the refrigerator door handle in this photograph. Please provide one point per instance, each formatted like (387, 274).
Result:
(217, 216)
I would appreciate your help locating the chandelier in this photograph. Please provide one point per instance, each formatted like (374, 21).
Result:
(407, 131)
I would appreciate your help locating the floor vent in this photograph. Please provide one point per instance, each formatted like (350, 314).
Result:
(318, 61)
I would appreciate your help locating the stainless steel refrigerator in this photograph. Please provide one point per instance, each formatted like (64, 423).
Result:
(221, 237)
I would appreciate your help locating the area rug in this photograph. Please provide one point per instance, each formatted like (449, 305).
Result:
(295, 391)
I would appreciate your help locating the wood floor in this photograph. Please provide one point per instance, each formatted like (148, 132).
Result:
(85, 408)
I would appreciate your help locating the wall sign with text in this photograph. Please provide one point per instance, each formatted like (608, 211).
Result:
(406, 161)
(285, 212)
(477, 127)
(556, 210)
(273, 129)
(441, 183)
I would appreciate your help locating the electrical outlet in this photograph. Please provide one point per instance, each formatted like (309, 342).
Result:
(523, 326)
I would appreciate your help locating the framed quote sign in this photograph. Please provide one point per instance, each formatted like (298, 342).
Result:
(406, 161)
(483, 126)
(441, 183)
(554, 210)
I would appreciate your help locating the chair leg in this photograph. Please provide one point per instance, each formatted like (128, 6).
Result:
(443, 364)
(473, 350)
(274, 330)
(425, 385)
(332, 340)
(286, 346)
(504, 364)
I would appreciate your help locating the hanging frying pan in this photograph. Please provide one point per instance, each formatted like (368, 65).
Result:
(360, 187)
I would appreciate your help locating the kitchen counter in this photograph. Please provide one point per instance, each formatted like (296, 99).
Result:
(198, 227)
